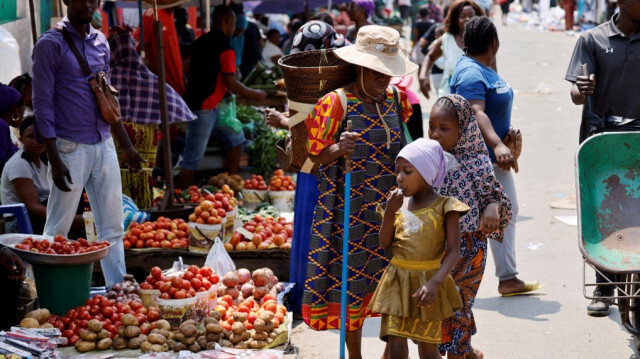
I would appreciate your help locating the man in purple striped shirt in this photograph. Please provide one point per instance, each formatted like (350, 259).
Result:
(78, 140)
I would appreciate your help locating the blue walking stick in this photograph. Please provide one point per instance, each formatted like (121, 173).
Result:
(345, 248)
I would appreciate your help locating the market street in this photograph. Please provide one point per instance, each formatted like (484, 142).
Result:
(554, 323)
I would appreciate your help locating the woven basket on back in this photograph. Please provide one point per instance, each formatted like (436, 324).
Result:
(308, 75)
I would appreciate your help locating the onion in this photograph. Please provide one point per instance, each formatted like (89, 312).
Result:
(233, 292)
(260, 292)
(220, 290)
(260, 277)
(117, 287)
(247, 290)
(279, 287)
(230, 279)
(244, 275)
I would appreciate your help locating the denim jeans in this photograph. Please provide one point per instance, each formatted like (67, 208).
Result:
(197, 137)
(504, 254)
(95, 168)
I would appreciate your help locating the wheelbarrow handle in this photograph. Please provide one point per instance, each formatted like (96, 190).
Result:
(347, 165)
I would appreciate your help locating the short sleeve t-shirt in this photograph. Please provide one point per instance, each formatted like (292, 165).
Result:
(270, 50)
(19, 167)
(474, 81)
(615, 60)
(227, 66)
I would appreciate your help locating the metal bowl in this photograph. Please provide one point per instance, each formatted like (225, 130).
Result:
(10, 240)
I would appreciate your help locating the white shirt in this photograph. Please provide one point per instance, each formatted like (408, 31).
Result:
(18, 167)
(270, 50)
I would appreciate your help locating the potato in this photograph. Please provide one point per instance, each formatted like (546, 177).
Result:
(268, 327)
(103, 334)
(177, 336)
(120, 343)
(145, 347)
(260, 336)
(215, 315)
(46, 326)
(143, 337)
(210, 320)
(211, 346)
(241, 345)
(157, 348)
(163, 324)
(214, 328)
(240, 317)
(88, 335)
(267, 316)
(269, 341)
(121, 331)
(95, 325)
(104, 344)
(164, 332)
(178, 347)
(273, 335)
(131, 331)
(194, 348)
(190, 322)
(170, 343)
(246, 335)
(188, 340)
(165, 347)
(202, 343)
(134, 343)
(41, 315)
(255, 344)
(29, 323)
(212, 337)
(258, 325)
(226, 344)
(84, 346)
(238, 328)
(156, 338)
(188, 330)
(129, 320)
(235, 338)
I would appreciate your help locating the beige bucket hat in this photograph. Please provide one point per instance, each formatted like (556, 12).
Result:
(378, 48)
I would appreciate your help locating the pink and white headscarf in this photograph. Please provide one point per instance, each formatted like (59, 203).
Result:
(428, 158)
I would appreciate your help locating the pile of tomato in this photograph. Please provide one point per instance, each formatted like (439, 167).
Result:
(280, 182)
(267, 233)
(108, 312)
(255, 182)
(60, 245)
(163, 233)
(185, 285)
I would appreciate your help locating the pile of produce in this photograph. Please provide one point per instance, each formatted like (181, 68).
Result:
(184, 285)
(132, 335)
(249, 116)
(60, 245)
(107, 312)
(192, 337)
(262, 151)
(210, 212)
(280, 182)
(38, 318)
(266, 233)
(256, 182)
(262, 77)
(163, 233)
(263, 209)
(95, 337)
(235, 182)
(128, 290)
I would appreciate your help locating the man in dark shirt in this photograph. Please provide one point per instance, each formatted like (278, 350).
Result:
(611, 53)
(213, 72)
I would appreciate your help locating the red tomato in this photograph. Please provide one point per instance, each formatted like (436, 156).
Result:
(153, 315)
(176, 282)
(186, 285)
(228, 299)
(196, 283)
(73, 340)
(194, 269)
(68, 333)
(135, 305)
(181, 294)
(205, 271)
(141, 318)
(111, 329)
(145, 328)
(188, 275)
(205, 284)
(214, 278)
(165, 287)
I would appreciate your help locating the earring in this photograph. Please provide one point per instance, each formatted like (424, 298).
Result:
(15, 117)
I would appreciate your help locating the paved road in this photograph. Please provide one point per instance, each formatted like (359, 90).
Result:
(553, 324)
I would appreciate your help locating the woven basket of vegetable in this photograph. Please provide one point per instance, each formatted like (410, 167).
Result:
(308, 75)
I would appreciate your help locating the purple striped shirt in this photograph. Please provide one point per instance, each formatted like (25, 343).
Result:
(63, 103)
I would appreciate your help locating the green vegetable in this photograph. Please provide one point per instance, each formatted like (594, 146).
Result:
(262, 152)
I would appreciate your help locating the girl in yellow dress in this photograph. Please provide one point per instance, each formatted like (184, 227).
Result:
(416, 291)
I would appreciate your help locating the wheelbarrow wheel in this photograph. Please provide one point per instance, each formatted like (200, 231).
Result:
(634, 308)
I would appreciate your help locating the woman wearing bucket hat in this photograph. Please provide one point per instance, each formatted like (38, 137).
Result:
(373, 143)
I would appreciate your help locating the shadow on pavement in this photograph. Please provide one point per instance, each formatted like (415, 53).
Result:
(530, 307)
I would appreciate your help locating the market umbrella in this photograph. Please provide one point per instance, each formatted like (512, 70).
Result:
(345, 249)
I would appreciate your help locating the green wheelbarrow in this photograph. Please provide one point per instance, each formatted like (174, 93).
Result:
(608, 203)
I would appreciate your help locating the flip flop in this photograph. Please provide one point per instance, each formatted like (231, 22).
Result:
(528, 288)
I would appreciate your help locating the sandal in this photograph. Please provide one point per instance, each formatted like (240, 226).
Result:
(528, 287)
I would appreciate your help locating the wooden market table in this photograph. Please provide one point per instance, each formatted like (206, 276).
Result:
(140, 261)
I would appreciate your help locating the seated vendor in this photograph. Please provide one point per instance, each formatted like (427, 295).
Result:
(24, 179)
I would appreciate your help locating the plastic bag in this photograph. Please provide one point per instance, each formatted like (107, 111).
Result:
(218, 259)
(227, 111)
